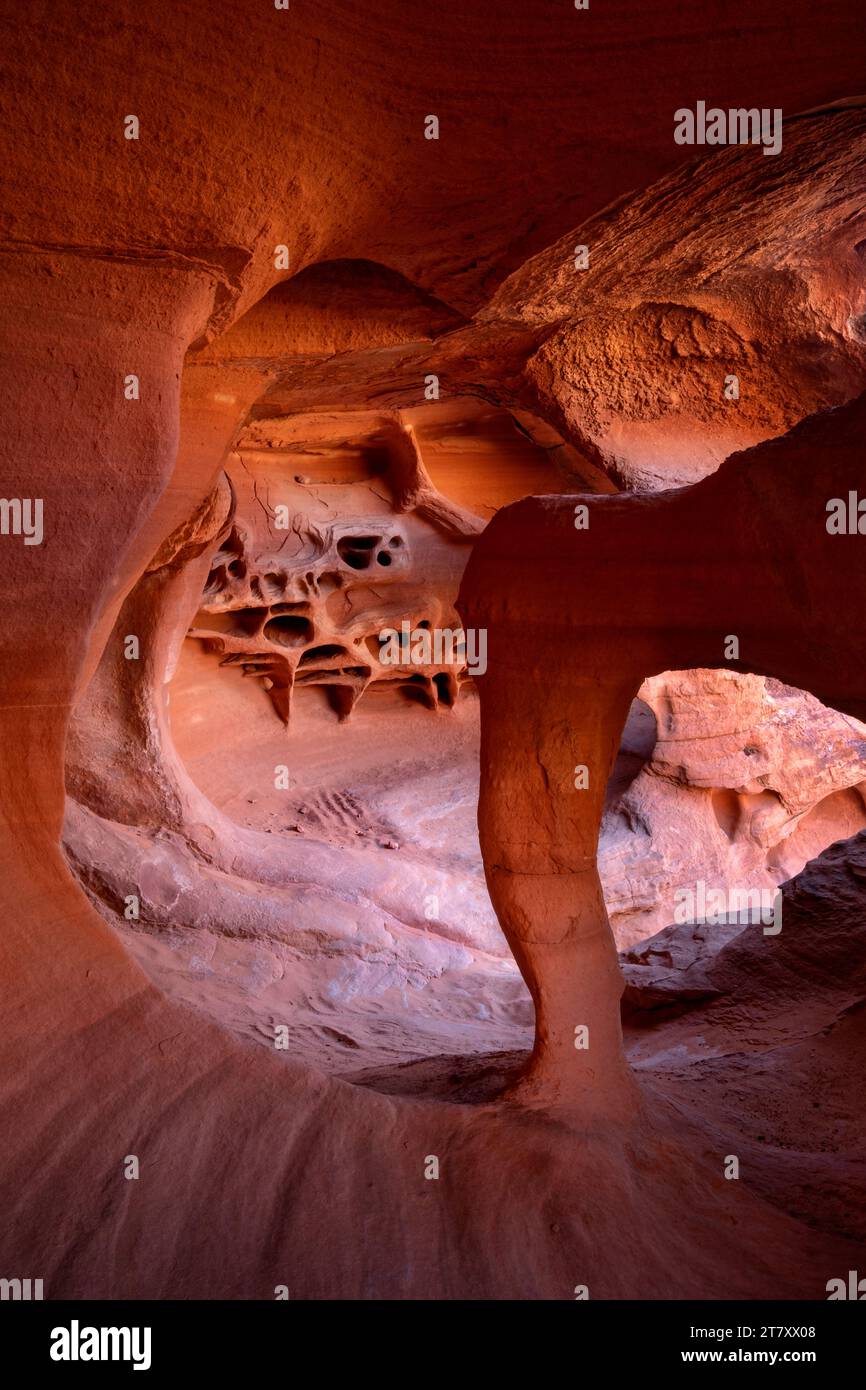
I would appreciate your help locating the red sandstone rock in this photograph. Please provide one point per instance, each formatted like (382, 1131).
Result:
(405, 259)
(742, 781)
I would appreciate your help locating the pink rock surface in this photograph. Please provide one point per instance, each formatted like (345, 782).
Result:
(361, 923)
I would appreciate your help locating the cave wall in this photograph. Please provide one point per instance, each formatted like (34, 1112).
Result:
(135, 257)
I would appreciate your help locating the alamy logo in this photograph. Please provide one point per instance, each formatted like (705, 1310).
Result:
(854, 1289)
(716, 906)
(736, 126)
(847, 518)
(22, 516)
(21, 1290)
(424, 646)
(77, 1343)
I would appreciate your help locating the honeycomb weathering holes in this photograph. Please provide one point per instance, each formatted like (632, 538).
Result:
(319, 614)
(289, 630)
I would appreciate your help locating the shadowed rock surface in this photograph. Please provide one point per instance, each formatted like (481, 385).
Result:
(254, 827)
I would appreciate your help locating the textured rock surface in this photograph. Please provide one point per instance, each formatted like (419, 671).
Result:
(357, 557)
(406, 258)
(684, 601)
(759, 1027)
(744, 781)
(765, 287)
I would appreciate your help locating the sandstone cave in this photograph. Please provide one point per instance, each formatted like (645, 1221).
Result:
(434, 714)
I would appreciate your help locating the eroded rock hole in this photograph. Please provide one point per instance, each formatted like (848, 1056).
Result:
(357, 551)
(288, 630)
(313, 655)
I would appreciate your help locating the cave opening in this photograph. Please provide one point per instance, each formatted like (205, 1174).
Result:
(381, 756)
(722, 783)
(366, 925)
